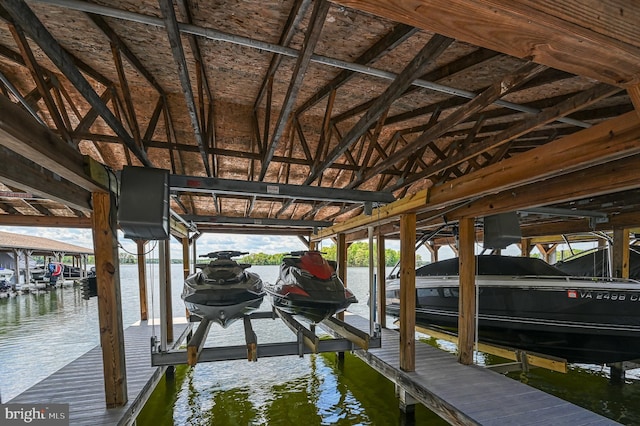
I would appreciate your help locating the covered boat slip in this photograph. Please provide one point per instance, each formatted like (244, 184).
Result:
(81, 382)
(468, 394)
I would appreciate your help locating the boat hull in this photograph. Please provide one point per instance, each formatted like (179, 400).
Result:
(223, 293)
(572, 319)
(315, 310)
(308, 286)
(224, 311)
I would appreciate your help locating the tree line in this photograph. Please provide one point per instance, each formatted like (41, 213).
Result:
(357, 255)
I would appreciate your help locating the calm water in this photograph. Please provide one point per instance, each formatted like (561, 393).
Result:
(41, 333)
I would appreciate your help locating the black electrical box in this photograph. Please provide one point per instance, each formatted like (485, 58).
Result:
(501, 230)
(143, 209)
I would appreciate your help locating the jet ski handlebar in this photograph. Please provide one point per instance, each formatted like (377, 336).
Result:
(224, 254)
(303, 252)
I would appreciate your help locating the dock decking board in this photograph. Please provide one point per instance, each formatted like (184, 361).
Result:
(81, 383)
(470, 394)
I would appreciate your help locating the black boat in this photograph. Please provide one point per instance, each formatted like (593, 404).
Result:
(595, 263)
(308, 286)
(223, 291)
(527, 304)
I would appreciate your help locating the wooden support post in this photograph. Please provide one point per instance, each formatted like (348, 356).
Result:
(433, 250)
(251, 339)
(407, 292)
(620, 253)
(186, 269)
(342, 263)
(467, 293)
(16, 266)
(407, 404)
(525, 247)
(372, 283)
(105, 246)
(382, 275)
(167, 277)
(142, 279)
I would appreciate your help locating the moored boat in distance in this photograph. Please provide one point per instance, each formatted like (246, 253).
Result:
(308, 286)
(6, 275)
(223, 291)
(527, 304)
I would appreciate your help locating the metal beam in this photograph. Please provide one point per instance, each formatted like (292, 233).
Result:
(552, 211)
(285, 51)
(182, 183)
(221, 220)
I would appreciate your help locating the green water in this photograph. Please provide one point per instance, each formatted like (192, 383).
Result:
(41, 333)
(320, 391)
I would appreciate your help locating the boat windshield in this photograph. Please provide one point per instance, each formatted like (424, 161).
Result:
(493, 265)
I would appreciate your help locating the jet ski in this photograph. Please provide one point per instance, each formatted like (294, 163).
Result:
(308, 286)
(222, 291)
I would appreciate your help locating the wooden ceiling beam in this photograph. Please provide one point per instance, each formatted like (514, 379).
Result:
(575, 226)
(608, 141)
(45, 221)
(41, 85)
(31, 177)
(115, 39)
(532, 31)
(318, 16)
(296, 14)
(432, 50)
(28, 21)
(615, 176)
(579, 101)
(175, 40)
(20, 133)
(397, 35)
(481, 101)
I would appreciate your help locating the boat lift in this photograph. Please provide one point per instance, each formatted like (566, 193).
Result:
(307, 342)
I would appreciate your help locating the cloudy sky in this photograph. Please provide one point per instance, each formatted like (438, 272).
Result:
(208, 242)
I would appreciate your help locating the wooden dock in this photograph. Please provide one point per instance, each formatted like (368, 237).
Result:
(469, 394)
(81, 383)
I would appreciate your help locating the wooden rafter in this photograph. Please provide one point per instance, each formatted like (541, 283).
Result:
(396, 36)
(436, 45)
(481, 101)
(568, 106)
(171, 24)
(312, 36)
(41, 85)
(21, 13)
(527, 30)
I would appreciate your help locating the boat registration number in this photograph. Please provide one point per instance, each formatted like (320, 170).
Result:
(603, 295)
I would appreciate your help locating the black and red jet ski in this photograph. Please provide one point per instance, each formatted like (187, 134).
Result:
(308, 286)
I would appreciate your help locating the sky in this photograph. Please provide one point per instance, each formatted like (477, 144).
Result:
(208, 242)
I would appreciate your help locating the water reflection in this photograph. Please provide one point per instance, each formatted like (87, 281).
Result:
(40, 333)
(314, 390)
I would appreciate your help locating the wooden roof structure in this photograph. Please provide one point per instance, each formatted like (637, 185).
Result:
(10, 241)
(456, 108)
